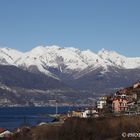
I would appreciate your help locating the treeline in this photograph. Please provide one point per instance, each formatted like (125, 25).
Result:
(83, 129)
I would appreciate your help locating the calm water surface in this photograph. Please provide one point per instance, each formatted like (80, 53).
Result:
(11, 118)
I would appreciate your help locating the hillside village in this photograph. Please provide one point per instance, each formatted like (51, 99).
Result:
(125, 101)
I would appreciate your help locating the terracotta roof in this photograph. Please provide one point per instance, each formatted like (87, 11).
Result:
(119, 99)
(2, 130)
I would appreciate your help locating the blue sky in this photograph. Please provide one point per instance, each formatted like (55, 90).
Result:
(85, 24)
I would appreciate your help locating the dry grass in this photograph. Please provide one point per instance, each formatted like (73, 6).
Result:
(83, 129)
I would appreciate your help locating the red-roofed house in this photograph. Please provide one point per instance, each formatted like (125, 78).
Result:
(119, 104)
(4, 133)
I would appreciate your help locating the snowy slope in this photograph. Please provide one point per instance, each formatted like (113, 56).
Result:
(114, 59)
(9, 56)
(66, 60)
(53, 57)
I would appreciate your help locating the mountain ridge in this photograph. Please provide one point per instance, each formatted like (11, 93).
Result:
(66, 59)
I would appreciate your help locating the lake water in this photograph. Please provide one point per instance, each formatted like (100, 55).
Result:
(11, 118)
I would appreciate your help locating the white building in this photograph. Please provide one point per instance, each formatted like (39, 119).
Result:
(89, 113)
(86, 113)
(101, 103)
(5, 133)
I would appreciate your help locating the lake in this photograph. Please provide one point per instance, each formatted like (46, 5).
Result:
(13, 117)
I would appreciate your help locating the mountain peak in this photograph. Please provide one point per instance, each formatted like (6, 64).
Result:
(54, 47)
(38, 49)
(105, 51)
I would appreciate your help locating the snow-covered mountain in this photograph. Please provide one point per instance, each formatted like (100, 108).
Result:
(45, 72)
(53, 60)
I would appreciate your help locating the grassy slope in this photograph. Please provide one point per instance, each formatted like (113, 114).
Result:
(83, 129)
